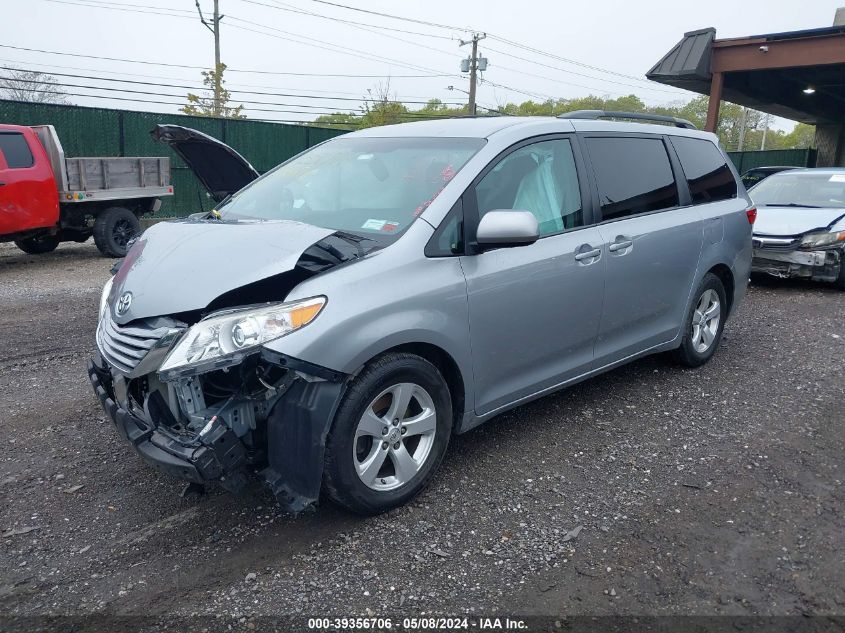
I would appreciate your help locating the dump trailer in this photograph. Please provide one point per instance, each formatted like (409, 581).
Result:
(47, 198)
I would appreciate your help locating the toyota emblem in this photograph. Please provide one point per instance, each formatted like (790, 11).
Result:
(123, 303)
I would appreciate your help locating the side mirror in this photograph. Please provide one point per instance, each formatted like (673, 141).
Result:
(507, 228)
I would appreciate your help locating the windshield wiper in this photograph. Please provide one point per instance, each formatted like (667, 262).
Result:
(792, 204)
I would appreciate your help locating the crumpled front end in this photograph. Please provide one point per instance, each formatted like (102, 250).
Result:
(269, 414)
(783, 257)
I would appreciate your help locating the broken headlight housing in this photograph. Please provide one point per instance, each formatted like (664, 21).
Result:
(226, 338)
(822, 239)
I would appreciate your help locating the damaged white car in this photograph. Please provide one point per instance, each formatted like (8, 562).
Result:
(800, 227)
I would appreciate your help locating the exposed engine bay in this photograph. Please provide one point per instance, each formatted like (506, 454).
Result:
(216, 422)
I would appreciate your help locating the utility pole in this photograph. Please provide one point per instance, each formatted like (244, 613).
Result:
(474, 68)
(214, 27)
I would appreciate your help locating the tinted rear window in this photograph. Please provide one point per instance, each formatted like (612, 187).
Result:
(708, 175)
(15, 150)
(634, 175)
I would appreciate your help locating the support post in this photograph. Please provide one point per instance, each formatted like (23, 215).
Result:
(715, 101)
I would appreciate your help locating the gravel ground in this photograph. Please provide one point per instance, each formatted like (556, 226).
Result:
(649, 490)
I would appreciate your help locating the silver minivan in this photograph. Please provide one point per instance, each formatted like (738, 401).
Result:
(330, 324)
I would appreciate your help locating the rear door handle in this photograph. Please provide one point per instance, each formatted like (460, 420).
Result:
(2, 183)
(588, 254)
(620, 244)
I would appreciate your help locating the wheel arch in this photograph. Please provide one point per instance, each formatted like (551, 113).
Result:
(726, 276)
(445, 364)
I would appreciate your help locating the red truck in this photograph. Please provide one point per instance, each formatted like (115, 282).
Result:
(46, 198)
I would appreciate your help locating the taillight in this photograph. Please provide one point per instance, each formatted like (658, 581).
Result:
(751, 214)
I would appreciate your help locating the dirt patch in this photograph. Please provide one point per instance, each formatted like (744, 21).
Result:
(718, 490)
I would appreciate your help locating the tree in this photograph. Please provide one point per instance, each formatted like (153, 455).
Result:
(381, 109)
(801, 136)
(204, 105)
(32, 86)
(384, 109)
(338, 121)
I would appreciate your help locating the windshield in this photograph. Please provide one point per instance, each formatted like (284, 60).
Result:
(803, 189)
(369, 186)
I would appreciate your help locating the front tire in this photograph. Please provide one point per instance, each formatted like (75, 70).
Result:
(389, 435)
(703, 323)
(38, 245)
(113, 229)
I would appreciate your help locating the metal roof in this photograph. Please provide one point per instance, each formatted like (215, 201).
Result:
(688, 60)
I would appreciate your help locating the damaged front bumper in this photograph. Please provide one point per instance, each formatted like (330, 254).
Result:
(279, 432)
(820, 265)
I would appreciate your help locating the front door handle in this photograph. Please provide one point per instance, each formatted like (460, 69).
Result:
(2, 183)
(621, 243)
(588, 254)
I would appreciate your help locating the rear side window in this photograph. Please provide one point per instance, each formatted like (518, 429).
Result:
(708, 175)
(634, 175)
(15, 150)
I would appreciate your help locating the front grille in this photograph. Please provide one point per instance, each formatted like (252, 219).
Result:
(779, 244)
(124, 346)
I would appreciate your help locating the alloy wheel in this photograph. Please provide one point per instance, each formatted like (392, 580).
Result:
(705, 321)
(394, 437)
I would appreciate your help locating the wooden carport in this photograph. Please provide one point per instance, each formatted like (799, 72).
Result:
(799, 75)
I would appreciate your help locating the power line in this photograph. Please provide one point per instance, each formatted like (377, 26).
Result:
(437, 50)
(565, 59)
(281, 6)
(17, 64)
(290, 37)
(228, 70)
(391, 16)
(310, 41)
(189, 87)
(247, 104)
(313, 42)
(364, 27)
(571, 72)
(94, 4)
(313, 110)
(191, 12)
(534, 50)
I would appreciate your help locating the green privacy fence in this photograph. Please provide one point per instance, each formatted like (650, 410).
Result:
(774, 157)
(86, 131)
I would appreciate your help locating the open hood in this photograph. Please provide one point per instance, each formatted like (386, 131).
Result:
(217, 166)
(187, 266)
(788, 221)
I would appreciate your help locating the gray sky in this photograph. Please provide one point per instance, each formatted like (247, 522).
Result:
(621, 36)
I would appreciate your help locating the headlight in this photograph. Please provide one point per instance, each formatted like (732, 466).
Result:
(104, 298)
(818, 240)
(226, 338)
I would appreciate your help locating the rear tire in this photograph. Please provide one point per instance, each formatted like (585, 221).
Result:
(378, 457)
(38, 245)
(703, 323)
(113, 229)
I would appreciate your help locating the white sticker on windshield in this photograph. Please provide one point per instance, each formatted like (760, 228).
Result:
(373, 225)
(837, 178)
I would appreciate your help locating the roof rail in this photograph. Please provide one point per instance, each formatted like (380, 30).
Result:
(640, 116)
